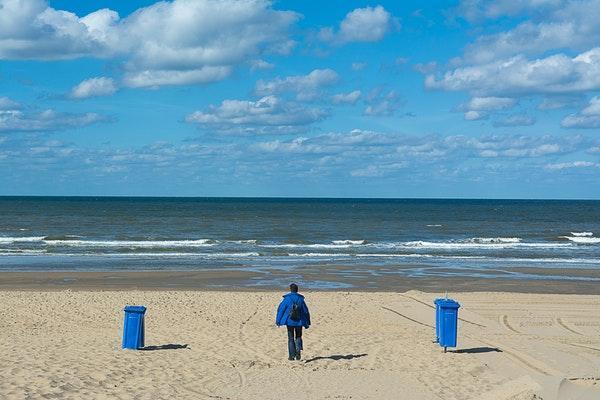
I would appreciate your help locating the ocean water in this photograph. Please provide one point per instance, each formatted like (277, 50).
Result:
(434, 237)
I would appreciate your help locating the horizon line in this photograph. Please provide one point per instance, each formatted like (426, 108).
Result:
(299, 197)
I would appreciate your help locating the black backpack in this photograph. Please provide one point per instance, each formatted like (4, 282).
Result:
(295, 312)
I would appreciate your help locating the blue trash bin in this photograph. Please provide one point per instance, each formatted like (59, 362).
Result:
(133, 327)
(437, 318)
(448, 323)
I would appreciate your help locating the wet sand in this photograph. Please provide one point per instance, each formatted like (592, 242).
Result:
(205, 344)
(317, 278)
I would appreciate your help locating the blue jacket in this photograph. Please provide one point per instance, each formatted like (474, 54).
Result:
(285, 307)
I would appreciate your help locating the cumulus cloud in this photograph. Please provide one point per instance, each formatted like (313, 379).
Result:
(335, 158)
(473, 115)
(346, 98)
(476, 10)
(589, 117)
(94, 87)
(556, 102)
(369, 24)
(261, 64)
(166, 43)
(515, 120)
(489, 103)
(306, 87)
(8, 104)
(48, 120)
(268, 115)
(402, 148)
(570, 24)
(156, 78)
(478, 108)
(556, 74)
(381, 103)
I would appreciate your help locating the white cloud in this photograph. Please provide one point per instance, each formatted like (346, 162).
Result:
(475, 115)
(8, 104)
(269, 115)
(48, 120)
(261, 64)
(306, 87)
(556, 102)
(346, 98)
(572, 164)
(589, 117)
(419, 159)
(475, 10)
(490, 103)
(94, 87)
(518, 76)
(426, 68)
(572, 25)
(156, 78)
(358, 66)
(382, 104)
(478, 108)
(376, 170)
(369, 24)
(166, 43)
(515, 120)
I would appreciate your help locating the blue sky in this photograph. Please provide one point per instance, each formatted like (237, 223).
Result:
(473, 98)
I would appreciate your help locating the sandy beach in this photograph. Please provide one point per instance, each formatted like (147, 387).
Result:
(65, 344)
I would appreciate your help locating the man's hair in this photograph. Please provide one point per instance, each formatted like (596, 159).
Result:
(294, 288)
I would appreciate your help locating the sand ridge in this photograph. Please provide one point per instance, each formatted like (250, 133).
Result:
(363, 345)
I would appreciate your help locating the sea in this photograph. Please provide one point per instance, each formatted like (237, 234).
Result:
(434, 237)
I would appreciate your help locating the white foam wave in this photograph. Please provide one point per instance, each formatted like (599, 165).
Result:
(434, 225)
(351, 242)
(308, 246)
(550, 260)
(138, 255)
(416, 255)
(23, 239)
(331, 255)
(131, 243)
(495, 240)
(582, 234)
(225, 255)
(478, 245)
(12, 252)
(583, 239)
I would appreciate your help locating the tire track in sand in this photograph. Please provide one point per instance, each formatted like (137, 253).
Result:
(504, 320)
(430, 306)
(530, 362)
(561, 323)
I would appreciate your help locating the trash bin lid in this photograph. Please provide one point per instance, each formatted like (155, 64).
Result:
(448, 303)
(135, 309)
(438, 300)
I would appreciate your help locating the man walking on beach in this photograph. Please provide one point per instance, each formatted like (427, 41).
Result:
(293, 312)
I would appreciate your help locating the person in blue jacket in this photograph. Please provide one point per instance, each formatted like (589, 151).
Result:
(293, 312)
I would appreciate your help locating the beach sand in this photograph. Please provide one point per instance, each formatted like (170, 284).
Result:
(363, 345)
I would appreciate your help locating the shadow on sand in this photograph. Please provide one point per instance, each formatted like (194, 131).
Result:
(336, 357)
(476, 350)
(171, 346)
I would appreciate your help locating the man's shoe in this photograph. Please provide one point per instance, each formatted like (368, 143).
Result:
(297, 355)
(291, 358)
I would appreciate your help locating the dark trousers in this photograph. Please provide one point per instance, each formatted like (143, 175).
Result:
(294, 340)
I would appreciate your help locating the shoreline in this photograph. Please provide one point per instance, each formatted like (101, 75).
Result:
(260, 281)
